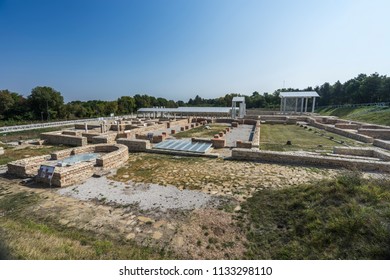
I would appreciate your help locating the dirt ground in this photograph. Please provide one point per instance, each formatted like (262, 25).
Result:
(207, 232)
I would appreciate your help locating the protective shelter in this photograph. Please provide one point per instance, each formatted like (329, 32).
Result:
(297, 102)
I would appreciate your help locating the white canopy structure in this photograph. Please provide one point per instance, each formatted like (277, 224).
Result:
(198, 111)
(242, 107)
(186, 111)
(297, 102)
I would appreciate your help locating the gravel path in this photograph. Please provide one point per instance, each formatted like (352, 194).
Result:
(147, 196)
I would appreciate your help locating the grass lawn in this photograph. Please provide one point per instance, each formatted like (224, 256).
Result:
(28, 134)
(275, 137)
(11, 154)
(201, 131)
(371, 114)
(343, 218)
(24, 236)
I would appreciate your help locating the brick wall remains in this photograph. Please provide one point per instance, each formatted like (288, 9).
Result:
(68, 140)
(115, 156)
(243, 144)
(347, 126)
(382, 144)
(70, 175)
(218, 143)
(90, 135)
(297, 159)
(383, 134)
(27, 167)
(104, 139)
(135, 145)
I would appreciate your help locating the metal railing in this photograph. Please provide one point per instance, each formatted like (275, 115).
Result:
(15, 128)
(378, 104)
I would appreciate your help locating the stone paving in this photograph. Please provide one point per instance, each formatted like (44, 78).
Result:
(242, 132)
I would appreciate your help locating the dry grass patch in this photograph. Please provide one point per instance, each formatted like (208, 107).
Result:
(210, 234)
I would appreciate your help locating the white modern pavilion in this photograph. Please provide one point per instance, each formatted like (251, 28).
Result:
(297, 102)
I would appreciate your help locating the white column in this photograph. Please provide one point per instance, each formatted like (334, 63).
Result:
(314, 105)
(307, 101)
(284, 107)
(296, 104)
(281, 104)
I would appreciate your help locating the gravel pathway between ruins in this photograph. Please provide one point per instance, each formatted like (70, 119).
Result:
(146, 196)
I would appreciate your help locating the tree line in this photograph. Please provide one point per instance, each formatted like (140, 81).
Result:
(45, 103)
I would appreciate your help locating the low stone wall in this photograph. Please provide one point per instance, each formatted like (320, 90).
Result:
(311, 160)
(364, 152)
(135, 145)
(1, 151)
(28, 167)
(146, 129)
(89, 126)
(382, 144)
(71, 132)
(339, 131)
(90, 135)
(218, 143)
(70, 175)
(352, 151)
(347, 126)
(273, 118)
(256, 135)
(243, 144)
(224, 120)
(68, 140)
(202, 140)
(104, 139)
(181, 122)
(117, 155)
(383, 134)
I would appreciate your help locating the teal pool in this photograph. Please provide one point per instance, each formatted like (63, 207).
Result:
(78, 158)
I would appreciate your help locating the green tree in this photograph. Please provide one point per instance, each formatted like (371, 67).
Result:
(45, 102)
(6, 102)
(126, 105)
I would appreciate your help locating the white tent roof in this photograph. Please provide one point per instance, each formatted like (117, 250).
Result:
(225, 110)
(298, 94)
(238, 99)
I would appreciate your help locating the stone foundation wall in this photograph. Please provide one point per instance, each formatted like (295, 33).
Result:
(28, 167)
(135, 145)
(363, 152)
(90, 135)
(311, 160)
(89, 126)
(68, 140)
(382, 144)
(181, 122)
(256, 135)
(145, 130)
(202, 140)
(352, 151)
(347, 126)
(243, 144)
(339, 131)
(71, 132)
(116, 156)
(63, 177)
(218, 143)
(383, 134)
(104, 139)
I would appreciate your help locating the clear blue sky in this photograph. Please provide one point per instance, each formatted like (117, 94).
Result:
(176, 49)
